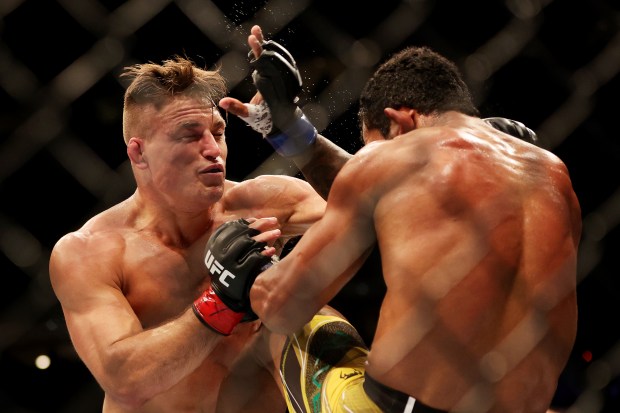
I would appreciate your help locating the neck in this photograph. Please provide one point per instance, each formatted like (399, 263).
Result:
(173, 226)
(446, 118)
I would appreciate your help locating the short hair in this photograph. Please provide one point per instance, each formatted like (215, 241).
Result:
(156, 84)
(417, 78)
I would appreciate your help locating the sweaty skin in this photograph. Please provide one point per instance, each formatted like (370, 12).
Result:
(127, 278)
(478, 234)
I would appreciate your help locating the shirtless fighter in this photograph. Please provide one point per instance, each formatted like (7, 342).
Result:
(127, 278)
(478, 234)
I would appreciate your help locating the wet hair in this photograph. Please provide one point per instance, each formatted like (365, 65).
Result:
(417, 78)
(156, 84)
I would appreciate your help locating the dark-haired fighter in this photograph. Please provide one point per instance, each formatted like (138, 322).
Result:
(478, 233)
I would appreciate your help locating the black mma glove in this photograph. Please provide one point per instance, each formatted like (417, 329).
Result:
(513, 128)
(278, 80)
(234, 260)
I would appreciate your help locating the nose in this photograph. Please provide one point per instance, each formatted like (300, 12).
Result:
(210, 148)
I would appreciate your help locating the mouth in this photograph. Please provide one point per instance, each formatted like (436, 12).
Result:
(213, 169)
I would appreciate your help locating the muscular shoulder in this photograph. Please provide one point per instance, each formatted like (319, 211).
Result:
(383, 164)
(87, 242)
(101, 231)
(97, 245)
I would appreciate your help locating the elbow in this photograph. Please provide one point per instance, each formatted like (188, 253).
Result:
(124, 384)
(129, 395)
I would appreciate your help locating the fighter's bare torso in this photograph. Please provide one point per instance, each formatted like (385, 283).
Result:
(159, 282)
(490, 225)
(160, 278)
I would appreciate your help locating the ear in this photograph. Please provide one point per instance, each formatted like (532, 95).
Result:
(135, 151)
(402, 120)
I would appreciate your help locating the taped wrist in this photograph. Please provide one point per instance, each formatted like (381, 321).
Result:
(259, 118)
(295, 139)
(216, 315)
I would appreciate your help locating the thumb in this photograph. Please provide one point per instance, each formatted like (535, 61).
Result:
(234, 106)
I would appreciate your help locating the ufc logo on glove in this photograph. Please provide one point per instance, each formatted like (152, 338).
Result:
(216, 268)
(226, 302)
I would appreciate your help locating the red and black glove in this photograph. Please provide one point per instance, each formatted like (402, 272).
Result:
(234, 260)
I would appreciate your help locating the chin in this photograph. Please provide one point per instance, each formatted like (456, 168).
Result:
(214, 194)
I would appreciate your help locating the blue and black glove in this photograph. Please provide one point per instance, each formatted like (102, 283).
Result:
(277, 78)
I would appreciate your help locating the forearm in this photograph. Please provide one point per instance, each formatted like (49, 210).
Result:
(320, 164)
(279, 308)
(289, 293)
(144, 365)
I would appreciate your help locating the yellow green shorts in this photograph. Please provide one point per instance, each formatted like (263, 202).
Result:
(323, 368)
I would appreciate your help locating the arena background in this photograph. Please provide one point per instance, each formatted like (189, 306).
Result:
(551, 64)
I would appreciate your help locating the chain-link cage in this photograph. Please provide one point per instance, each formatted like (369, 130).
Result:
(552, 65)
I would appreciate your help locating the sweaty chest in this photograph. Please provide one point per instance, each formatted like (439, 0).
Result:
(161, 282)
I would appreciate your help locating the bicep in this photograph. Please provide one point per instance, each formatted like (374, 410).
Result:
(291, 200)
(96, 311)
(336, 245)
(325, 258)
(334, 249)
(330, 254)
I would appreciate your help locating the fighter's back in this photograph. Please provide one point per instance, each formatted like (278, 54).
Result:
(478, 235)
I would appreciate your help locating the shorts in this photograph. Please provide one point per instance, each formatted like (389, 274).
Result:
(394, 401)
(323, 370)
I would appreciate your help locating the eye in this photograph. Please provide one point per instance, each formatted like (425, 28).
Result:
(192, 137)
(219, 134)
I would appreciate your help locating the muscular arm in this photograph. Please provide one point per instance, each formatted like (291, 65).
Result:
(321, 163)
(131, 364)
(290, 292)
(291, 200)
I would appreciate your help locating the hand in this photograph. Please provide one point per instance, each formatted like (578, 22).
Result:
(235, 106)
(274, 112)
(513, 128)
(255, 41)
(256, 113)
(235, 254)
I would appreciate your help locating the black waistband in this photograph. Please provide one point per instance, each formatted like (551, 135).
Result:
(392, 401)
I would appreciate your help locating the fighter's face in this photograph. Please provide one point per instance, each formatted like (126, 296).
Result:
(186, 153)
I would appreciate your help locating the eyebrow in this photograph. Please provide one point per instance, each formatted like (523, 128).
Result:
(217, 123)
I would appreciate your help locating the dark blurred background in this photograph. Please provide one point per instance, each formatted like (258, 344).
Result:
(550, 64)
